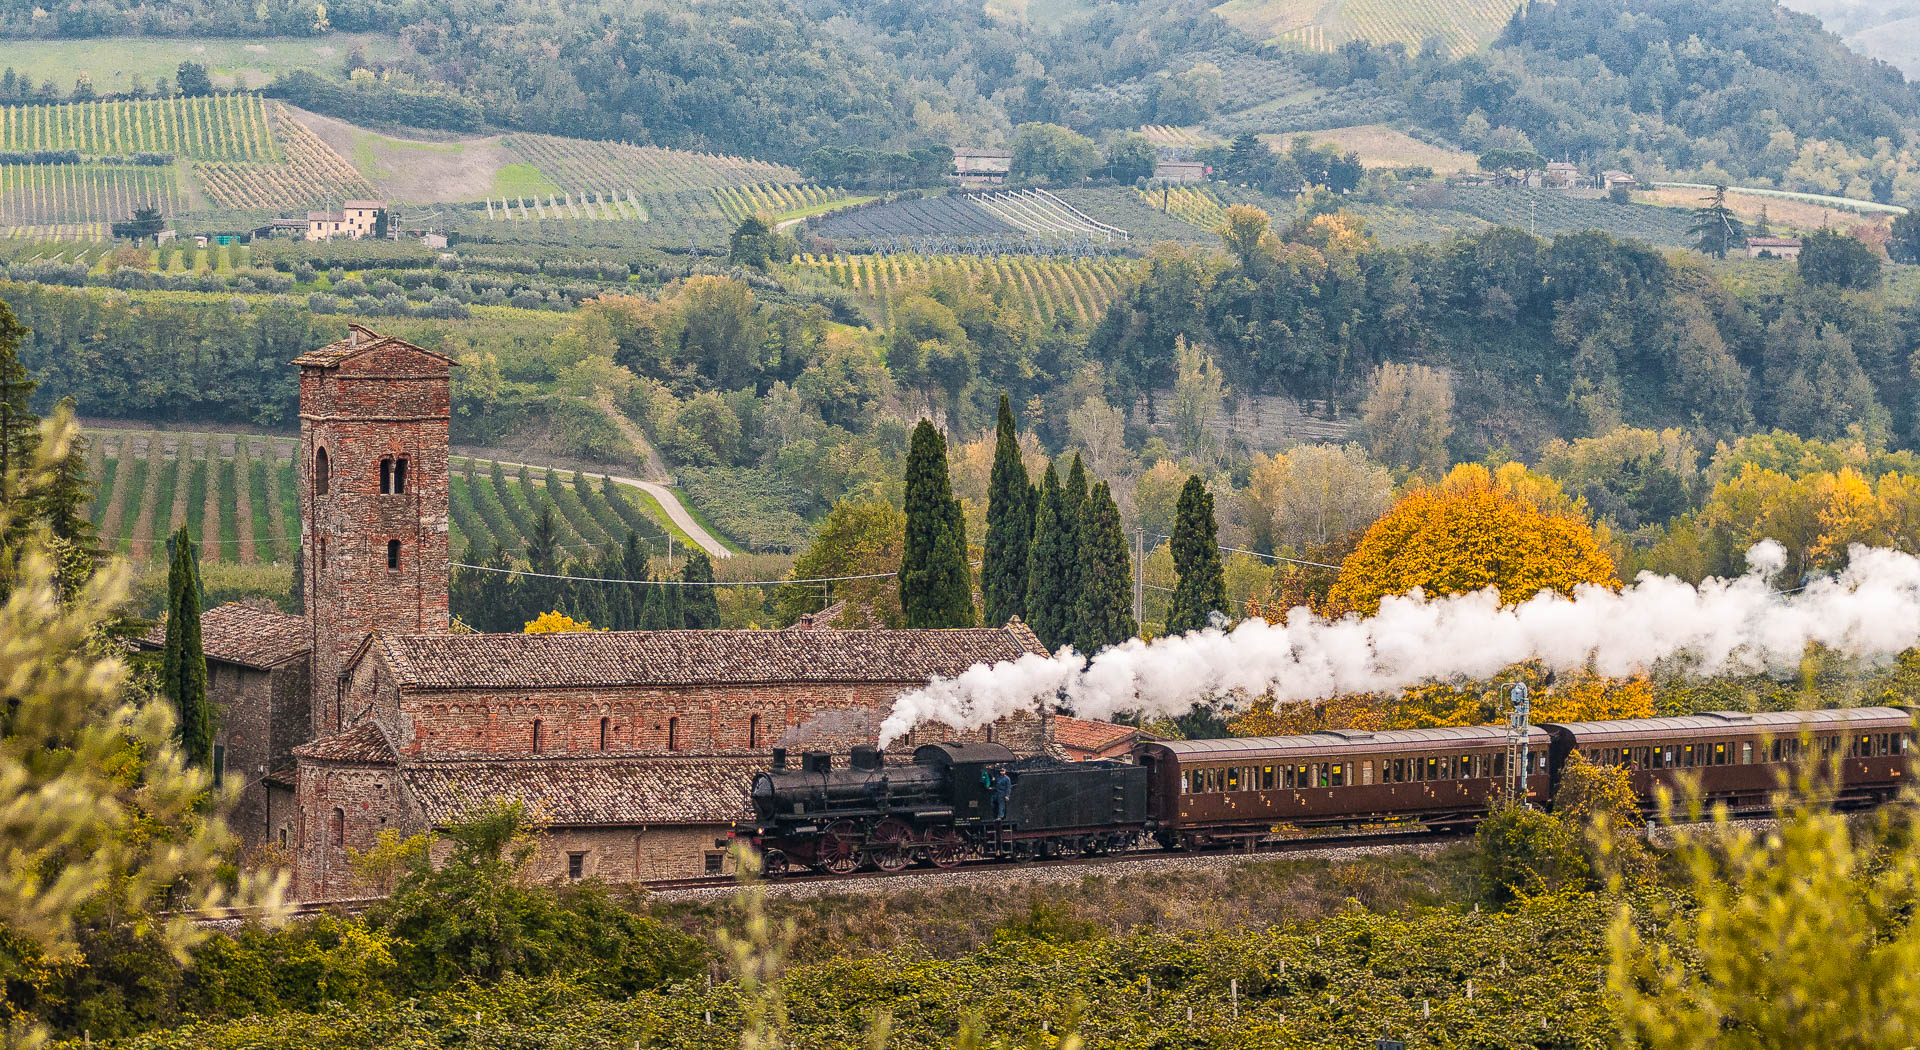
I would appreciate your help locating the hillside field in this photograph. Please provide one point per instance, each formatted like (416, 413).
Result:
(1461, 26)
(236, 494)
(1045, 288)
(238, 63)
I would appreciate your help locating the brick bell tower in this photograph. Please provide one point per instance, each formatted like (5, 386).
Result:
(374, 415)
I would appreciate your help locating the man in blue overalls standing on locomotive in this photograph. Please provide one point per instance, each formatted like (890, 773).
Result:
(1002, 789)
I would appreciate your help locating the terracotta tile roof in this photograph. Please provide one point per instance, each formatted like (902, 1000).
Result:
(653, 658)
(1079, 738)
(588, 791)
(359, 340)
(244, 633)
(363, 743)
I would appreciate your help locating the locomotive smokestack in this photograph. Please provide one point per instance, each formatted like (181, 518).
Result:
(866, 756)
(779, 760)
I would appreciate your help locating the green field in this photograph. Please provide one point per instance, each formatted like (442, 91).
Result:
(1462, 26)
(237, 495)
(113, 62)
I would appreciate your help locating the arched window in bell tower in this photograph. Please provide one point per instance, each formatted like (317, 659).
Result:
(320, 472)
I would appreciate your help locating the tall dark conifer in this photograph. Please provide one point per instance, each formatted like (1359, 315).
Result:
(1050, 568)
(1103, 613)
(700, 605)
(1003, 567)
(183, 667)
(298, 600)
(19, 427)
(632, 597)
(540, 593)
(1200, 587)
(936, 588)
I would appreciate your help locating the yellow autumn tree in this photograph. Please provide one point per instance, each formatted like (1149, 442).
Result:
(1509, 529)
(1474, 530)
(555, 623)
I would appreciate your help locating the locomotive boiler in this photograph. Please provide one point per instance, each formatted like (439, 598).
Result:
(938, 808)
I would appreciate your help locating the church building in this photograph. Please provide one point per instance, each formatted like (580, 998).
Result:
(633, 748)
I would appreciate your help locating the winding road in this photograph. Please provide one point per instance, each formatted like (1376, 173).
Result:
(668, 502)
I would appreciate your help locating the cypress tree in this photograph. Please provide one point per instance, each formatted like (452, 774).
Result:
(1103, 613)
(299, 597)
(1003, 568)
(466, 588)
(538, 593)
(1200, 589)
(700, 606)
(19, 427)
(632, 597)
(183, 669)
(654, 614)
(936, 588)
(1073, 494)
(1050, 567)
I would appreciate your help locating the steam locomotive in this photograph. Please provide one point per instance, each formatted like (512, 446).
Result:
(1200, 794)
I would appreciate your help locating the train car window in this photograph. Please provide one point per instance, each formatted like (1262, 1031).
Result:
(1432, 770)
(1338, 775)
(1499, 766)
(1366, 773)
(1266, 778)
(1687, 755)
(1233, 779)
(1746, 753)
(1719, 754)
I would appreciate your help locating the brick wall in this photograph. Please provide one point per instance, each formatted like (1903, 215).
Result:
(367, 798)
(388, 403)
(242, 699)
(711, 720)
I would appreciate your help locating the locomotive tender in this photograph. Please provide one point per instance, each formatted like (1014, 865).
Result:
(1196, 794)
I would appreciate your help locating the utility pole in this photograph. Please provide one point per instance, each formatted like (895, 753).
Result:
(1139, 576)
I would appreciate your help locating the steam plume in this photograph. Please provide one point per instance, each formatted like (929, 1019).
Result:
(1722, 626)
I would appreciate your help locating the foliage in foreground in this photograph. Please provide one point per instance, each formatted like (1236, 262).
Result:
(1495, 980)
(1795, 934)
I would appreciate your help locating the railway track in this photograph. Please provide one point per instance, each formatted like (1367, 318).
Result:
(1091, 863)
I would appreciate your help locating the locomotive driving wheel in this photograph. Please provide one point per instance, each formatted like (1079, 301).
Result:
(773, 864)
(839, 849)
(890, 845)
(946, 848)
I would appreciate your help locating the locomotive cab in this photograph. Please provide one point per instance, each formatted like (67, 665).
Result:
(966, 767)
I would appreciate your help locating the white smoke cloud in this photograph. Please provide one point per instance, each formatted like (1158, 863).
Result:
(1722, 626)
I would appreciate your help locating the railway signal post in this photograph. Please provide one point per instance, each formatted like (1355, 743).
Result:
(1522, 699)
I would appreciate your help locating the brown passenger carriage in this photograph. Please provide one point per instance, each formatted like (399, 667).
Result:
(1740, 757)
(1212, 791)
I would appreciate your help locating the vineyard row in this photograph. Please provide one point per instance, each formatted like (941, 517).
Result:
(211, 127)
(1045, 289)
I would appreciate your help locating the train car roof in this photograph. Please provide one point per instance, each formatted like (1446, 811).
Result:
(1439, 738)
(961, 754)
(1718, 723)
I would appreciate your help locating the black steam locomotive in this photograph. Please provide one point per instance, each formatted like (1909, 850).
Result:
(939, 808)
(1198, 794)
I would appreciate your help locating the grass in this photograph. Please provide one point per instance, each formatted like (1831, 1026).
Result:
(1461, 25)
(240, 62)
(646, 502)
(521, 180)
(1784, 214)
(1383, 147)
(823, 207)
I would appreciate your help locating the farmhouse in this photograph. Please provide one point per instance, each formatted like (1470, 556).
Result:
(981, 167)
(1612, 177)
(1560, 175)
(355, 219)
(635, 748)
(1773, 247)
(1180, 171)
